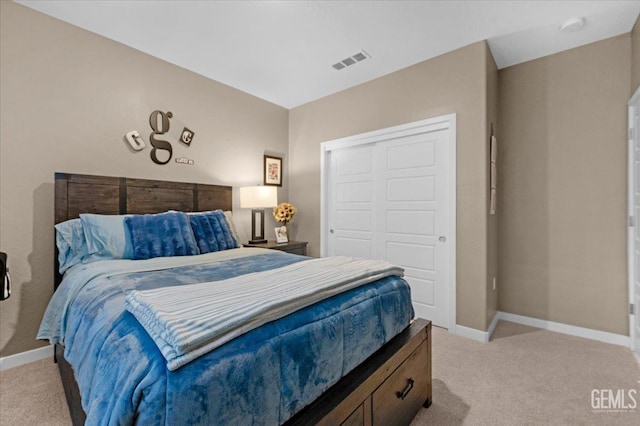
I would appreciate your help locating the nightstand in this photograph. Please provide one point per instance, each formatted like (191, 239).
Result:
(294, 247)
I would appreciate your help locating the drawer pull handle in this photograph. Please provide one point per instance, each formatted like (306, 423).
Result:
(402, 395)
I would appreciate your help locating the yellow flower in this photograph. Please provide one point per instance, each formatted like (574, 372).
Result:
(284, 212)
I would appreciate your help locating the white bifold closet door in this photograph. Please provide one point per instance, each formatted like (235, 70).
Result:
(389, 200)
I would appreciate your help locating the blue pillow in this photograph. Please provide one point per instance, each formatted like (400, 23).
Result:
(212, 232)
(72, 246)
(107, 237)
(161, 235)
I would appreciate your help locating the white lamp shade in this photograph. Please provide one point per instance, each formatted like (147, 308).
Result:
(258, 197)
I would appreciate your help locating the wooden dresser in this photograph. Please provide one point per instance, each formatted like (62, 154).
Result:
(387, 391)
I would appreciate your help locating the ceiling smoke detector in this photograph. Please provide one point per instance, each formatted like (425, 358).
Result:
(572, 25)
(347, 62)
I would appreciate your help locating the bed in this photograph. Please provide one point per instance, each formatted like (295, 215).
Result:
(354, 358)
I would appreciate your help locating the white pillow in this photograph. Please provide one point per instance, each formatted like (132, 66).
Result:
(232, 226)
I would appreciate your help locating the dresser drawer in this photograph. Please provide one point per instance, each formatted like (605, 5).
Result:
(356, 418)
(399, 398)
(301, 250)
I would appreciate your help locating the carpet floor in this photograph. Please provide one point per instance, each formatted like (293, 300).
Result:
(524, 376)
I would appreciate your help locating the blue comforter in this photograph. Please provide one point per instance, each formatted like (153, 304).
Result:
(262, 377)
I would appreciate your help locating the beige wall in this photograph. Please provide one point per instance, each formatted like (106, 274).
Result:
(562, 182)
(492, 220)
(635, 56)
(452, 83)
(68, 97)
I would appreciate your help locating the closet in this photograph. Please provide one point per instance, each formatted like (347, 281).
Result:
(390, 194)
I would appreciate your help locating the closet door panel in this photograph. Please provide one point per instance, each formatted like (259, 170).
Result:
(351, 215)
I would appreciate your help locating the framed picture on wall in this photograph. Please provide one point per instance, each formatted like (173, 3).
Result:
(272, 170)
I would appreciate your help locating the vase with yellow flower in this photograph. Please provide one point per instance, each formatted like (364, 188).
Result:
(283, 213)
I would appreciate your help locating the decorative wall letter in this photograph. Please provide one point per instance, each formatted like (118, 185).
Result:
(161, 138)
(160, 127)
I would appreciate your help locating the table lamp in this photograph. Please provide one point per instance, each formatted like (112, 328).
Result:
(257, 198)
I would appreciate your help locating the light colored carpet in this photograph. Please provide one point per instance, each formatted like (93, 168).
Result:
(523, 376)
(526, 376)
(32, 394)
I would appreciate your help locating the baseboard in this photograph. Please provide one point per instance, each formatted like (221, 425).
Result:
(472, 333)
(479, 335)
(588, 333)
(493, 325)
(22, 358)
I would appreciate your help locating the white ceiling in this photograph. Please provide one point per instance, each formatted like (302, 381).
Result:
(283, 51)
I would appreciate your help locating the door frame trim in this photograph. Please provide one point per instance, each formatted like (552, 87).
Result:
(442, 122)
(630, 213)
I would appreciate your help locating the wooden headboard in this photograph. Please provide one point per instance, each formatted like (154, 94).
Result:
(75, 194)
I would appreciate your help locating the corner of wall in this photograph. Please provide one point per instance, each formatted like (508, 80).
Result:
(635, 56)
(491, 110)
(555, 111)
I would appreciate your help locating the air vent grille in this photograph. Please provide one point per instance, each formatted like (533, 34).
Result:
(347, 62)
(359, 57)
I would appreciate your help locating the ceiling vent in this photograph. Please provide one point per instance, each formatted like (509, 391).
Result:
(347, 62)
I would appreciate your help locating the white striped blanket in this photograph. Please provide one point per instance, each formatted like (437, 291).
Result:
(190, 320)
